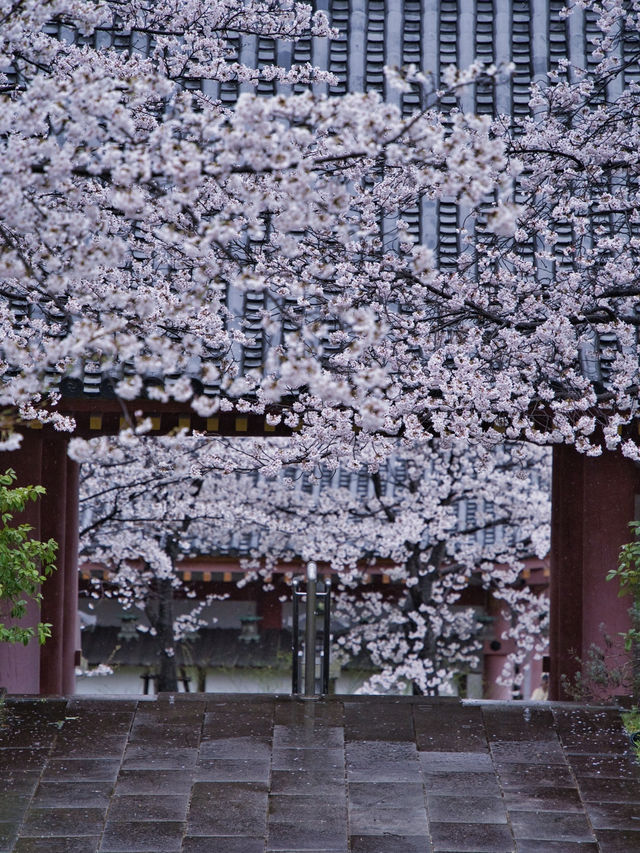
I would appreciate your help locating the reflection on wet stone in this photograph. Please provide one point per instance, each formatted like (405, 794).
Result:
(555, 826)
(471, 809)
(277, 775)
(382, 760)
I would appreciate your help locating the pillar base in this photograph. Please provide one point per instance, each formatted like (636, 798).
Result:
(593, 501)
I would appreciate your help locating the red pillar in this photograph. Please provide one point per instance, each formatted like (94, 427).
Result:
(71, 636)
(53, 525)
(47, 669)
(269, 607)
(493, 663)
(496, 653)
(593, 501)
(565, 628)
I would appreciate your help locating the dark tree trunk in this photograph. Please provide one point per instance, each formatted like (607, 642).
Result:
(419, 594)
(202, 679)
(167, 671)
(159, 611)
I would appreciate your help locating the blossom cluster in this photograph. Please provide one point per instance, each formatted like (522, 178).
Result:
(138, 212)
(437, 520)
(138, 215)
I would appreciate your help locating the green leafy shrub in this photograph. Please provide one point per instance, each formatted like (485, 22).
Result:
(631, 721)
(603, 673)
(627, 574)
(24, 562)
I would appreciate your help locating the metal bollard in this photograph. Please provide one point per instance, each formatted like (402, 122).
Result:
(295, 639)
(326, 636)
(312, 594)
(310, 633)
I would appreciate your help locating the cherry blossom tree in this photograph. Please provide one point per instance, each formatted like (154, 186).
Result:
(147, 503)
(137, 211)
(439, 519)
(138, 215)
(560, 292)
(143, 509)
(533, 333)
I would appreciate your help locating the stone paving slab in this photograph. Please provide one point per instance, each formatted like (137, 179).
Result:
(276, 774)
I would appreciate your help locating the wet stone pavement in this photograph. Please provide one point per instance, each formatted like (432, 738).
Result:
(260, 774)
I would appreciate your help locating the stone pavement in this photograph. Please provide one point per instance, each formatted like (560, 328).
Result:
(255, 774)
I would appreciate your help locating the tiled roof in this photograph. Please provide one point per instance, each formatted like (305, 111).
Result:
(533, 36)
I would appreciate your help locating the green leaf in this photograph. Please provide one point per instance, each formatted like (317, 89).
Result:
(25, 563)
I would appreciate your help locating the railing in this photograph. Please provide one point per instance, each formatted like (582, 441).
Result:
(317, 597)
